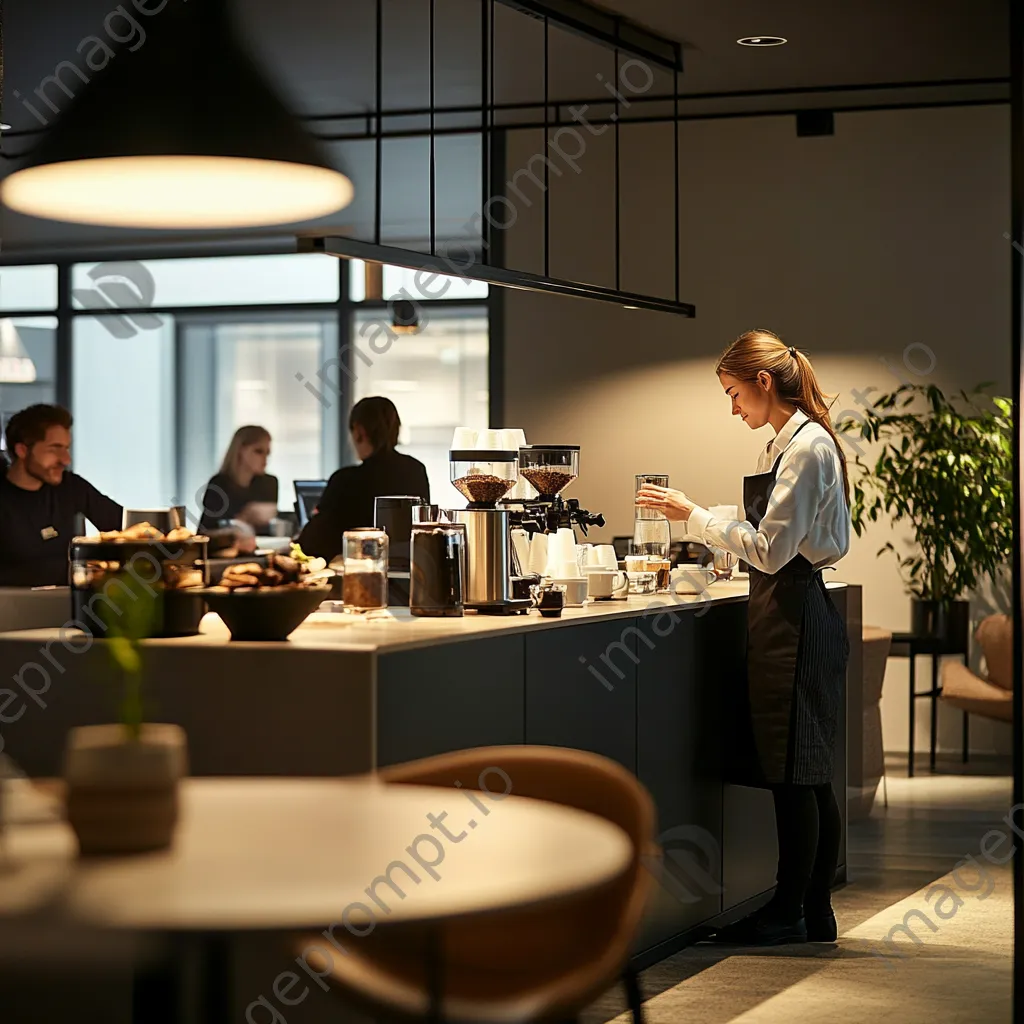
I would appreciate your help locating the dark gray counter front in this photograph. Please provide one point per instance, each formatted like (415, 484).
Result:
(647, 685)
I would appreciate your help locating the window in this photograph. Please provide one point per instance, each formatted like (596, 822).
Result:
(237, 372)
(123, 404)
(418, 285)
(25, 288)
(216, 281)
(437, 379)
(28, 357)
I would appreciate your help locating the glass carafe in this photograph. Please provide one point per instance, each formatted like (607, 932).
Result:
(659, 480)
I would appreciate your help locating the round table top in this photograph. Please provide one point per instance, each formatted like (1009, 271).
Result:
(299, 853)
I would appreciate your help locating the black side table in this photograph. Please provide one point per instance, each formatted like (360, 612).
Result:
(908, 645)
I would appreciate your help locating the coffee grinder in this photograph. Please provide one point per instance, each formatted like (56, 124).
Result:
(549, 469)
(484, 477)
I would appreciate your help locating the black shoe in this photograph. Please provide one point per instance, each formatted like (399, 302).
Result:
(822, 927)
(761, 930)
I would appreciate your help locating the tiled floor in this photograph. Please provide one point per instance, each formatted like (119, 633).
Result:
(961, 971)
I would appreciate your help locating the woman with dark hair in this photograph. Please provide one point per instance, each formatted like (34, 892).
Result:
(243, 489)
(796, 523)
(347, 501)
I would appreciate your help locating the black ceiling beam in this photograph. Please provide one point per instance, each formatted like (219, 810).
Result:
(610, 29)
(352, 248)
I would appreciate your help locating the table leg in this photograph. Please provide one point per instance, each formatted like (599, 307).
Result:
(156, 989)
(435, 974)
(910, 745)
(215, 978)
(935, 708)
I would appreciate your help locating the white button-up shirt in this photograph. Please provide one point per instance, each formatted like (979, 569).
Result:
(806, 514)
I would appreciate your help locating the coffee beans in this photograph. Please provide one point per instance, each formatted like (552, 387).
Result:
(483, 489)
(548, 480)
(365, 590)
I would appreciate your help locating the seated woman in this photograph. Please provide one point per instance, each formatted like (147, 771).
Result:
(348, 500)
(242, 489)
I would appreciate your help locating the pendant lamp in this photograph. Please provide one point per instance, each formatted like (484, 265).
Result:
(184, 132)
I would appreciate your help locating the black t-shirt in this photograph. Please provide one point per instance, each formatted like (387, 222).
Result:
(347, 501)
(224, 498)
(36, 528)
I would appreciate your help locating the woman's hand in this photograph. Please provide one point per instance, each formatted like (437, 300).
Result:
(673, 505)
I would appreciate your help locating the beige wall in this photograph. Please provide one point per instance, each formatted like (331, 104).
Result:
(853, 247)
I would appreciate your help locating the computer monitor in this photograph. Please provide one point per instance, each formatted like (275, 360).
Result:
(307, 495)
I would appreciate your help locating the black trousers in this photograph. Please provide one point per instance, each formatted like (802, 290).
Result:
(809, 828)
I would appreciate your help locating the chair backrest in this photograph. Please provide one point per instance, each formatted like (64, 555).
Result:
(574, 778)
(995, 634)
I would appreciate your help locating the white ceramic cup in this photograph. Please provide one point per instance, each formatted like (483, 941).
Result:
(575, 591)
(606, 556)
(605, 583)
(691, 579)
(568, 570)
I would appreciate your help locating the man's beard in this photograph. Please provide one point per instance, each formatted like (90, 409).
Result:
(44, 476)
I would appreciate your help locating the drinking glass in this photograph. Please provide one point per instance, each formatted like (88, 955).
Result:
(723, 563)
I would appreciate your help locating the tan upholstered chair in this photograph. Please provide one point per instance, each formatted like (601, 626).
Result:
(992, 695)
(541, 963)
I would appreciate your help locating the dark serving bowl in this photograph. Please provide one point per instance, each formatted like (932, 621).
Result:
(272, 613)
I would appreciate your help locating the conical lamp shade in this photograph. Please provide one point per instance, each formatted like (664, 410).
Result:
(185, 132)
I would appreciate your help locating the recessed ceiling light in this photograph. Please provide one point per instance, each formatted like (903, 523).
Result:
(4, 126)
(762, 41)
(630, 307)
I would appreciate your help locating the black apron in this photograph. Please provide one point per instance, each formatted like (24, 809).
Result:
(797, 649)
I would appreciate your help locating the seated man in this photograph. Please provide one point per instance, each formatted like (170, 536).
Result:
(39, 500)
(348, 500)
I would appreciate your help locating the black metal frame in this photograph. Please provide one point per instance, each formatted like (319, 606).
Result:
(352, 248)
(485, 265)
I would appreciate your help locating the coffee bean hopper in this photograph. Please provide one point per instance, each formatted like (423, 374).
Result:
(550, 469)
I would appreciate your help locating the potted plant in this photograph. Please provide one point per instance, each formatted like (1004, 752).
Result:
(122, 779)
(946, 469)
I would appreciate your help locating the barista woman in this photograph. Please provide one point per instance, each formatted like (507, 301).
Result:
(796, 523)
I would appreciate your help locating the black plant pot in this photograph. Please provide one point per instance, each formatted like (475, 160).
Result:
(945, 621)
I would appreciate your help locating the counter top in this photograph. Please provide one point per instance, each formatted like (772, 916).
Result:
(402, 631)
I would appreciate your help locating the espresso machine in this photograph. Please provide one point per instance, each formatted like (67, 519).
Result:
(550, 469)
(495, 584)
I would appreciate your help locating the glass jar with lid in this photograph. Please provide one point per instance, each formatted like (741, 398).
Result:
(365, 562)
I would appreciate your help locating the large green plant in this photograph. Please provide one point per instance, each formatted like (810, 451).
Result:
(945, 469)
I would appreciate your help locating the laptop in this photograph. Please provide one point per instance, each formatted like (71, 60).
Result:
(307, 496)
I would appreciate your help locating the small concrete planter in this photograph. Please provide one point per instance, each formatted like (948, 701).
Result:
(122, 793)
